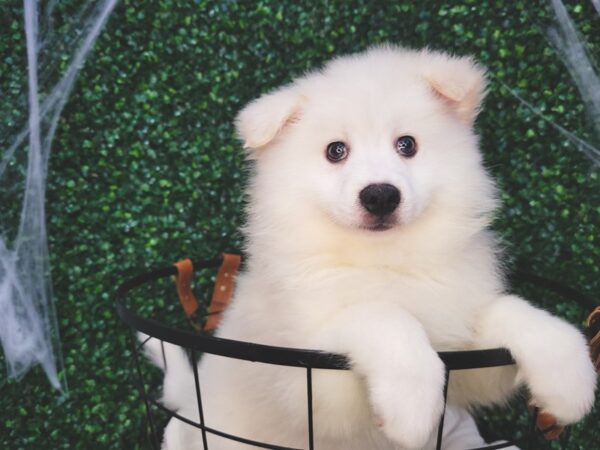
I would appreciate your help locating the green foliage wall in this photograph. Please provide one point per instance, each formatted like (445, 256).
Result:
(145, 167)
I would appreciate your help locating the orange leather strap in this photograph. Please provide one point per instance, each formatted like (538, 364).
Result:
(183, 283)
(548, 425)
(223, 290)
(592, 323)
(545, 423)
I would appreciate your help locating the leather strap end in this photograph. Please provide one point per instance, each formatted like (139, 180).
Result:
(223, 290)
(183, 283)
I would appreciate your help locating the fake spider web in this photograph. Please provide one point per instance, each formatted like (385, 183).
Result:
(28, 325)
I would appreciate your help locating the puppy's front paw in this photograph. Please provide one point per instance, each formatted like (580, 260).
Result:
(408, 402)
(560, 375)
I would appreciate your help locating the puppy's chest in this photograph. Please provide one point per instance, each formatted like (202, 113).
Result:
(446, 306)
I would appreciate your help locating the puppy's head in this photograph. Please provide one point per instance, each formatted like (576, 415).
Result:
(372, 143)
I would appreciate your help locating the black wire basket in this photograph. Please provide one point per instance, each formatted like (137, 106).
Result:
(197, 342)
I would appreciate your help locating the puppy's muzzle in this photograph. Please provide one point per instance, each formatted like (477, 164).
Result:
(380, 199)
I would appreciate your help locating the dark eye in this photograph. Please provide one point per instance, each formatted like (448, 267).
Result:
(337, 151)
(406, 146)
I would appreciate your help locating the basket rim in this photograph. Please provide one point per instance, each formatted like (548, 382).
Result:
(283, 356)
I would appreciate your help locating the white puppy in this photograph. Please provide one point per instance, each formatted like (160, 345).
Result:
(368, 235)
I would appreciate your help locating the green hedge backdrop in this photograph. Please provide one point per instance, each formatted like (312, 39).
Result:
(145, 168)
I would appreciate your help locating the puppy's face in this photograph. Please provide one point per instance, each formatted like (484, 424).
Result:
(373, 155)
(372, 141)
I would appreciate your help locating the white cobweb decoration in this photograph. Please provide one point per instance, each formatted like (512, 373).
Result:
(28, 325)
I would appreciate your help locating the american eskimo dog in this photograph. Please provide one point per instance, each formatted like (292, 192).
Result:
(367, 235)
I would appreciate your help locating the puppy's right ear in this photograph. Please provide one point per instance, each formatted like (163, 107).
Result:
(264, 118)
(458, 81)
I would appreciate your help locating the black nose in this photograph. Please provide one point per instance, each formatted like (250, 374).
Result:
(380, 199)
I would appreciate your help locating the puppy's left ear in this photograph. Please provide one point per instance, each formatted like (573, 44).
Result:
(264, 118)
(459, 82)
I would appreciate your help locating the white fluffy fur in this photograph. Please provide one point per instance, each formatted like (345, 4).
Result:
(389, 300)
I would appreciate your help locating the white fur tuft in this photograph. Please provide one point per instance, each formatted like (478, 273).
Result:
(179, 381)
